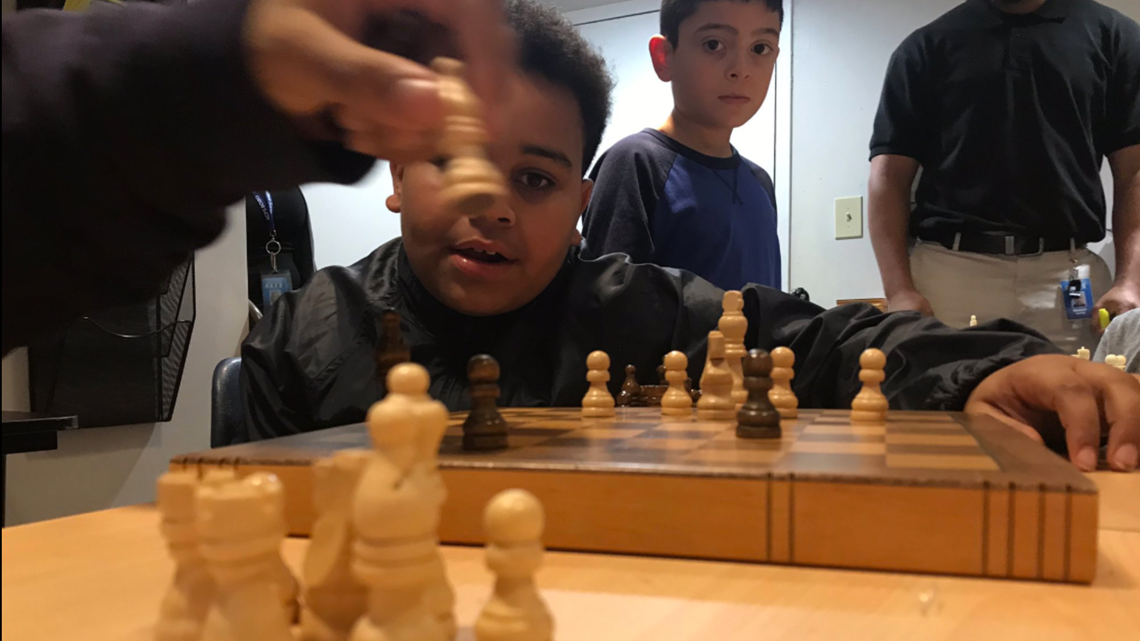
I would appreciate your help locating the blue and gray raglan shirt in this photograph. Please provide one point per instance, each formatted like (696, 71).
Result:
(664, 203)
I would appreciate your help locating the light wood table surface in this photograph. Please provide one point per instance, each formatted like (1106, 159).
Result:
(100, 577)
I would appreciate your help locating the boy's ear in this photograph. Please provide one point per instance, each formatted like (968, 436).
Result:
(661, 53)
(587, 191)
(393, 201)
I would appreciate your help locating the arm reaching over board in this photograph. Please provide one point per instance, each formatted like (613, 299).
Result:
(1056, 393)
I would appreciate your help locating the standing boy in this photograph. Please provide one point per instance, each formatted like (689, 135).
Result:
(681, 195)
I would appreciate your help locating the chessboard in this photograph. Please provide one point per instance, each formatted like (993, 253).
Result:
(925, 492)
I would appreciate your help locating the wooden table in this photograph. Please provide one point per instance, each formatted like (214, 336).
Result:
(100, 577)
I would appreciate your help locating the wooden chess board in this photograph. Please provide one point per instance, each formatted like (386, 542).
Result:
(928, 492)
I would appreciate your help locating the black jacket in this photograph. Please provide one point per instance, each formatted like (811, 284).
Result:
(309, 364)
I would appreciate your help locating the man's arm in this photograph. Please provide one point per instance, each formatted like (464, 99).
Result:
(889, 189)
(1125, 292)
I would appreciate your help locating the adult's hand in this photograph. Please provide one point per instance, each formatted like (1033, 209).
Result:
(1085, 399)
(1124, 296)
(909, 300)
(307, 58)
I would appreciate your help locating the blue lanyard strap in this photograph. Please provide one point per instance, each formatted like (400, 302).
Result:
(265, 201)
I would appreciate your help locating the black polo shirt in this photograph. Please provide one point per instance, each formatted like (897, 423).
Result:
(1011, 116)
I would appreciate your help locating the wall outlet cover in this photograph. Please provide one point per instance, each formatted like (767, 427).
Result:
(849, 217)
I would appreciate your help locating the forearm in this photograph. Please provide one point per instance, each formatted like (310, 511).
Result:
(889, 214)
(1126, 230)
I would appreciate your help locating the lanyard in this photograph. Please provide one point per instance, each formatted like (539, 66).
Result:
(273, 247)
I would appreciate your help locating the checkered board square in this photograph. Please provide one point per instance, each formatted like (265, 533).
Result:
(822, 441)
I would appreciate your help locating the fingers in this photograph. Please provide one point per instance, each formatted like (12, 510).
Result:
(1075, 403)
(1121, 394)
(485, 43)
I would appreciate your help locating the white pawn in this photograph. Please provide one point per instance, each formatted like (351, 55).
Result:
(334, 599)
(716, 402)
(187, 602)
(1116, 360)
(677, 401)
(973, 321)
(241, 525)
(598, 402)
(1083, 354)
(781, 394)
(513, 521)
(734, 325)
(870, 405)
(396, 517)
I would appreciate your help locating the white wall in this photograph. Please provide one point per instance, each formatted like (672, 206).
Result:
(349, 221)
(839, 57)
(99, 468)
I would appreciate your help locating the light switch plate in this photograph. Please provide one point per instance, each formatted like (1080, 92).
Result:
(849, 217)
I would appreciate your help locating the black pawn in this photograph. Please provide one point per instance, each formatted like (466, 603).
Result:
(757, 418)
(661, 380)
(391, 350)
(630, 389)
(484, 428)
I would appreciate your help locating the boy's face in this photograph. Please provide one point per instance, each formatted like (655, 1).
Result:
(722, 65)
(540, 155)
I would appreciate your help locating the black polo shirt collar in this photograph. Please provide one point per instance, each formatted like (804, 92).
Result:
(990, 16)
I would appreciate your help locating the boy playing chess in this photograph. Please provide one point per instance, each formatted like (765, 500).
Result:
(509, 282)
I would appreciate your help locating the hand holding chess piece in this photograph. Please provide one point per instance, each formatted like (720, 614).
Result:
(870, 405)
(677, 400)
(471, 183)
(598, 403)
(513, 522)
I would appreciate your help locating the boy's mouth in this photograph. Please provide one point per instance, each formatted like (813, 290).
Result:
(480, 258)
(735, 99)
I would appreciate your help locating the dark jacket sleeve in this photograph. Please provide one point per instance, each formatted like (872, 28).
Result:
(273, 385)
(628, 181)
(121, 147)
(929, 366)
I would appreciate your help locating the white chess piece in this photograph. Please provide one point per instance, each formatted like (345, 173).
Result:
(513, 521)
(187, 602)
(1083, 354)
(734, 325)
(973, 321)
(598, 402)
(870, 405)
(781, 394)
(396, 517)
(241, 525)
(334, 599)
(677, 401)
(716, 402)
(1116, 360)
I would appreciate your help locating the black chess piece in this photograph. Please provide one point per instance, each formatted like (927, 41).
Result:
(391, 350)
(661, 380)
(630, 389)
(757, 418)
(485, 428)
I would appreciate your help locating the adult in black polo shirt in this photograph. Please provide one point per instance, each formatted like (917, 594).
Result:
(1009, 107)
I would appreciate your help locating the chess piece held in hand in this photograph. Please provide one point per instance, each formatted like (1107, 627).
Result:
(513, 522)
(471, 183)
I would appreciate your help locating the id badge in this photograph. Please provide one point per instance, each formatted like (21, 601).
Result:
(1077, 295)
(273, 285)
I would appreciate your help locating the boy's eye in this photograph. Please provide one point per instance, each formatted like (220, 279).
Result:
(439, 162)
(761, 49)
(712, 45)
(535, 181)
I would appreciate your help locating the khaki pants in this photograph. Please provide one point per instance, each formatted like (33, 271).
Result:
(1025, 289)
